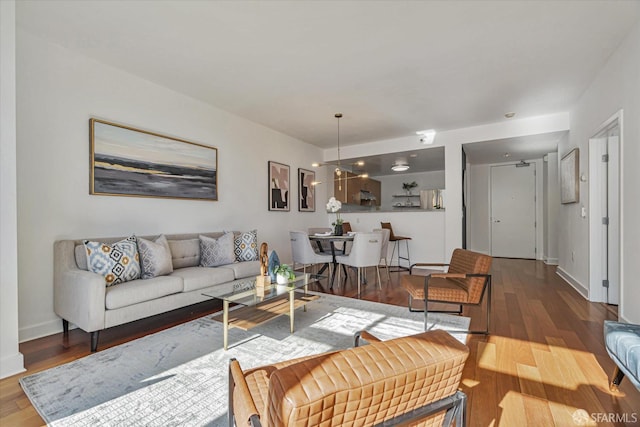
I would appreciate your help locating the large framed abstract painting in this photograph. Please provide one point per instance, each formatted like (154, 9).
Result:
(278, 187)
(132, 162)
(306, 190)
(569, 182)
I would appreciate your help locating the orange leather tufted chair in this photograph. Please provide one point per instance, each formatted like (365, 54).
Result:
(466, 282)
(409, 378)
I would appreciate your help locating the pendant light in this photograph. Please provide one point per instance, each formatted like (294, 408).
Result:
(338, 170)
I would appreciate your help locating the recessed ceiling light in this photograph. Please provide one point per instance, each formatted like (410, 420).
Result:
(510, 114)
(507, 155)
(400, 167)
(413, 155)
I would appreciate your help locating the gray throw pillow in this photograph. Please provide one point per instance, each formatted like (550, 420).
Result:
(215, 252)
(155, 257)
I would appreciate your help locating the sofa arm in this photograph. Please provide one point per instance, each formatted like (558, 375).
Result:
(78, 295)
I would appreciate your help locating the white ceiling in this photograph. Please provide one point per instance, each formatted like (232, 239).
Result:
(392, 67)
(513, 149)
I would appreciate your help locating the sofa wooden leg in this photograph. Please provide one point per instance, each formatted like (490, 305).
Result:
(65, 327)
(618, 375)
(94, 341)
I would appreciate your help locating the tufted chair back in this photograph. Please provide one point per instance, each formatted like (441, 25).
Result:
(362, 386)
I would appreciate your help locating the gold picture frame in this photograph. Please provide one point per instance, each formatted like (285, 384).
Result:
(125, 161)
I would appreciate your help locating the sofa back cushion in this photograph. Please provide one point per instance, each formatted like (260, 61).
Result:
(185, 253)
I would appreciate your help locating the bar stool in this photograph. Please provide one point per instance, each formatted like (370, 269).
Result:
(396, 240)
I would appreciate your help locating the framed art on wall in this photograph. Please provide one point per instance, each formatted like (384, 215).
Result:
(569, 182)
(278, 187)
(130, 162)
(306, 190)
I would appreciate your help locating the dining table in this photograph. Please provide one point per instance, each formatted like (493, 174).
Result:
(320, 238)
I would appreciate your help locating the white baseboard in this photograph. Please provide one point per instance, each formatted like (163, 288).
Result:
(551, 261)
(11, 365)
(622, 318)
(40, 330)
(573, 282)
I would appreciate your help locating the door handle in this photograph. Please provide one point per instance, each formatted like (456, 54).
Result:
(496, 220)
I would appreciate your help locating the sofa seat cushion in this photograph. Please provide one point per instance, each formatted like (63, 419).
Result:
(439, 289)
(244, 269)
(137, 291)
(195, 278)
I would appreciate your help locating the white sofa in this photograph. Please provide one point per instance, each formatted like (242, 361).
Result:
(81, 297)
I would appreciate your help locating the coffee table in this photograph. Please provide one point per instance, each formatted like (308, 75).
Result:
(260, 304)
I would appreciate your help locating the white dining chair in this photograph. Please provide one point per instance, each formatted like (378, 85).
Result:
(384, 251)
(302, 251)
(365, 252)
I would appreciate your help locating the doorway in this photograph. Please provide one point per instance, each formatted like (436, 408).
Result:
(604, 206)
(513, 210)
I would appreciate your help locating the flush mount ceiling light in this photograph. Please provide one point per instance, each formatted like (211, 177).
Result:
(426, 136)
(510, 114)
(400, 167)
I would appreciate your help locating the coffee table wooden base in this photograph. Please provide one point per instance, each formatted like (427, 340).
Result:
(246, 318)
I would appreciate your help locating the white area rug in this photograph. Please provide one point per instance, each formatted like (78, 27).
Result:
(178, 377)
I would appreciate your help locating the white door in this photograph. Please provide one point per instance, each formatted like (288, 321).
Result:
(513, 211)
(605, 216)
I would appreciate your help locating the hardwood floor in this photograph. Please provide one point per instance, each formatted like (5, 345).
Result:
(544, 360)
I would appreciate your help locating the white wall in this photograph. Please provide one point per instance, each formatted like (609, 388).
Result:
(58, 91)
(617, 86)
(11, 361)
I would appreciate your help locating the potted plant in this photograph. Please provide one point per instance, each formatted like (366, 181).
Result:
(284, 273)
(408, 186)
(334, 205)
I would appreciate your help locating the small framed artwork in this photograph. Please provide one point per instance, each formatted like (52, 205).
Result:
(279, 188)
(569, 182)
(125, 161)
(306, 190)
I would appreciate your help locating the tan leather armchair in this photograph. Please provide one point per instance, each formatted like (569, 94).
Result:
(466, 282)
(390, 382)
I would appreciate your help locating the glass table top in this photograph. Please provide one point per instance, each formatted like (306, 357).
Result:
(243, 291)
